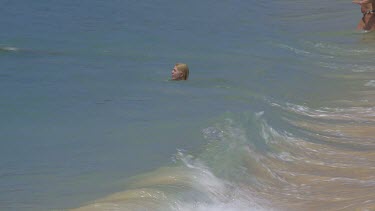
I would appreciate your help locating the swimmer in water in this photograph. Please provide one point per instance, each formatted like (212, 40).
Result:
(180, 72)
(367, 22)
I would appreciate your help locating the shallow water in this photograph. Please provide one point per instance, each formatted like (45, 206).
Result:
(278, 113)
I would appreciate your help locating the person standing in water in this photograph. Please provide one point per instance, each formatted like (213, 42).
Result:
(180, 72)
(367, 22)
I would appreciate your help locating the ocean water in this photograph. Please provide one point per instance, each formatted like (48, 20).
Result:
(278, 112)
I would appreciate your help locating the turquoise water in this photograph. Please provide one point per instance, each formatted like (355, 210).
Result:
(278, 112)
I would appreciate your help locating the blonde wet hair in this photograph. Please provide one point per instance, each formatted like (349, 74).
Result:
(184, 69)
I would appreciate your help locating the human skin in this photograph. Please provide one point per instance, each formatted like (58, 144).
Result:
(176, 74)
(180, 71)
(368, 21)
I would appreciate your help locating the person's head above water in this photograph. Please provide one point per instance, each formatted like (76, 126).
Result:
(180, 72)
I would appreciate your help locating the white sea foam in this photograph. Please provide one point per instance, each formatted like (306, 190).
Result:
(338, 50)
(219, 194)
(362, 68)
(8, 48)
(234, 205)
(295, 50)
(371, 83)
(351, 113)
